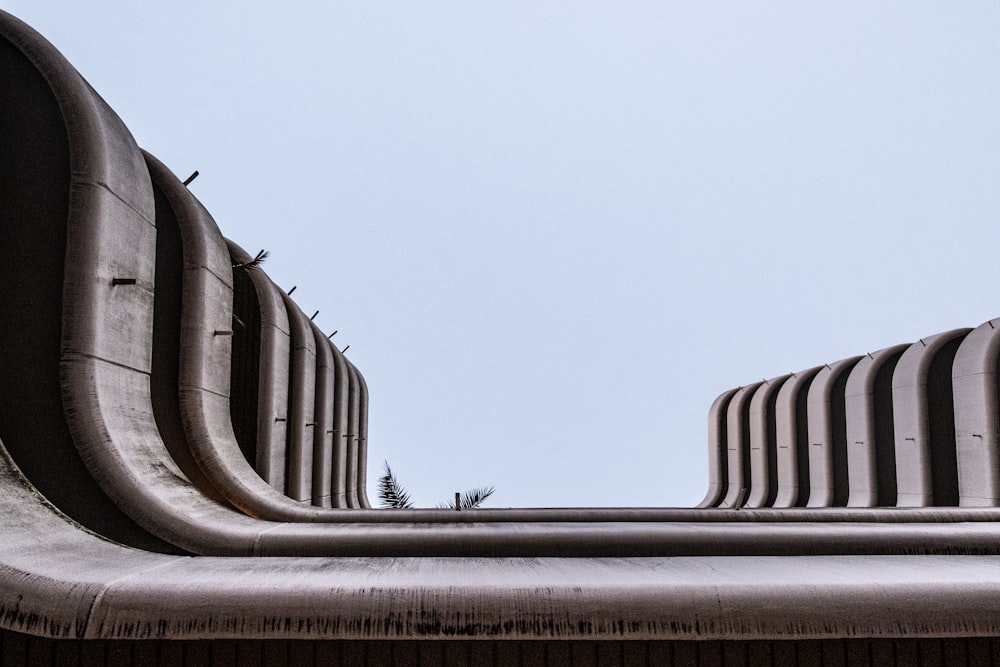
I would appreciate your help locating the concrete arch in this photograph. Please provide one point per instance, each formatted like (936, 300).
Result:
(323, 433)
(718, 459)
(871, 453)
(301, 404)
(924, 418)
(763, 443)
(827, 433)
(977, 416)
(362, 477)
(351, 437)
(341, 418)
(792, 439)
(738, 446)
(275, 352)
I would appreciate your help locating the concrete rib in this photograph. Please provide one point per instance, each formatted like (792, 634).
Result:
(827, 435)
(275, 351)
(738, 446)
(718, 458)
(301, 404)
(977, 416)
(323, 434)
(923, 414)
(763, 458)
(791, 439)
(871, 455)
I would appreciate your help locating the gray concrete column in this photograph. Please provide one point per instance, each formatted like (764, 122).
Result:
(341, 426)
(827, 434)
(924, 418)
(763, 459)
(351, 436)
(322, 467)
(301, 403)
(738, 446)
(871, 453)
(275, 352)
(792, 439)
(977, 431)
(718, 460)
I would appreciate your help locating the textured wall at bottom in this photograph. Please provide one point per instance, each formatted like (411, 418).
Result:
(17, 649)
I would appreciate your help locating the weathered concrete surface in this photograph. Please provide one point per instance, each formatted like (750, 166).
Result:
(738, 446)
(977, 416)
(871, 454)
(923, 415)
(763, 444)
(718, 458)
(791, 437)
(827, 435)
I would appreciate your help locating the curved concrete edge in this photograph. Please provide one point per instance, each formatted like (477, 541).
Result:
(738, 446)
(323, 432)
(791, 439)
(977, 416)
(826, 427)
(362, 475)
(718, 458)
(341, 417)
(917, 415)
(351, 436)
(205, 357)
(763, 461)
(59, 581)
(275, 351)
(868, 412)
(301, 404)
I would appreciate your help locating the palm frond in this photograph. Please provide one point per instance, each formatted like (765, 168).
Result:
(390, 493)
(253, 263)
(471, 499)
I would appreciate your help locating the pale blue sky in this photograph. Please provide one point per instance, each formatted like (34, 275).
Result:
(553, 232)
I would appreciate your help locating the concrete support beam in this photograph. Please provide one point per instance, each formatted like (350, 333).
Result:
(977, 416)
(738, 446)
(718, 459)
(871, 453)
(792, 439)
(923, 414)
(763, 444)
(827, 434)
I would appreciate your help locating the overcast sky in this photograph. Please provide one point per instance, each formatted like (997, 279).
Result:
(553, 232)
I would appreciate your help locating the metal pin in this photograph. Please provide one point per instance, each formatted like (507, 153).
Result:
(458, 505)
(314, 316)
(345, 349)
(191, 178)
(123, 281)
(294, 287)
(333, 334)
(222, 332)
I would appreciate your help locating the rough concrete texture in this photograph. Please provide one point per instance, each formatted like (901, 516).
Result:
(136, 509)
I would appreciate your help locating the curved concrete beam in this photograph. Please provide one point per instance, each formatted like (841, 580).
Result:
(871, 453)
(763, 443)
(362, 475)
(792, 439)
(301, 404)
(274, 355)
(341, 418)
(57, 139)
(924, 418)
(738, 446)
(90, 588)
(323, 433)
(827, 433)
(718, 457)
(351, 437)
(977, 416)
